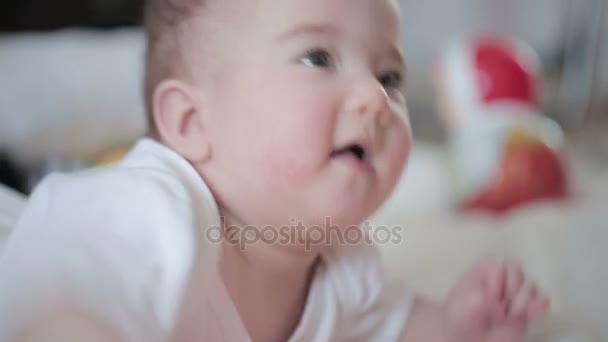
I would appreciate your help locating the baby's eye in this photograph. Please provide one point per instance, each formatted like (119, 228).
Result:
(391, 80)
(317, 58)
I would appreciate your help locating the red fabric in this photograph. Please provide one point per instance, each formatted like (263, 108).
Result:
(500, 75)
(527, 173)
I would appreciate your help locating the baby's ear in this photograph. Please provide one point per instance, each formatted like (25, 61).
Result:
(180, 120)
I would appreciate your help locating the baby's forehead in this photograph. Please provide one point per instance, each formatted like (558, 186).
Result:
(276, 16)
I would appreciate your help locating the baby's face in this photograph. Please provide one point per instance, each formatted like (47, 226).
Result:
(308, 117)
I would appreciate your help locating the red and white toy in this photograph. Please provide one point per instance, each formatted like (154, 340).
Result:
(505, 152)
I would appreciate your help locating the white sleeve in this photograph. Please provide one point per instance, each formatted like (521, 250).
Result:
(81, 249)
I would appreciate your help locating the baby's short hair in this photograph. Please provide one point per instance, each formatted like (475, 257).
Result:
(164, 22)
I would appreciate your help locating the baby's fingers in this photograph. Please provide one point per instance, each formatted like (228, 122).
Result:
(521, 300)
(528, 303)
(515, 280)
(496, 281)
(538, 307)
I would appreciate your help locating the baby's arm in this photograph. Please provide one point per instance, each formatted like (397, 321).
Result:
(494, 302)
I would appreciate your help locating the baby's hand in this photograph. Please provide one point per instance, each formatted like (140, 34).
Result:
(494, 302)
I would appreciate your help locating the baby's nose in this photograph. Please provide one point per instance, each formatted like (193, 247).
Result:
(369, 99)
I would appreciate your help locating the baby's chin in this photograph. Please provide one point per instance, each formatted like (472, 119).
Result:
(353, 213)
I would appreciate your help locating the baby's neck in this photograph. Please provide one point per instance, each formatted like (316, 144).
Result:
(269, 286)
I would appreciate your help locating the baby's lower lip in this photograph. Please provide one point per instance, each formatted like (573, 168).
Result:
(353, 162)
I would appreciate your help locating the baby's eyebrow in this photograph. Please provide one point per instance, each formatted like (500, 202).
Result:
(309, 29)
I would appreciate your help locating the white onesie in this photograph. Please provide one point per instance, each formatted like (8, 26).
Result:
(125, 247)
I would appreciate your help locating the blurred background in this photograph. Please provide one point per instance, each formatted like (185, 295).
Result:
(71, 70)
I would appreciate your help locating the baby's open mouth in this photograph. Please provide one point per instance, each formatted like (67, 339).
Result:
(356, 150)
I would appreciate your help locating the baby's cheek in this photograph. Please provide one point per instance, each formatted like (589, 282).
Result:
(398, 147)
(284, 172)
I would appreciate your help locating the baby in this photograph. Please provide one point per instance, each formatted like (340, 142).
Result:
(267, 117)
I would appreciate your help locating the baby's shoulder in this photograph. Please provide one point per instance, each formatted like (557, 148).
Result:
(112, 240)
(112, 185)
(106, 208)
(142, 206)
